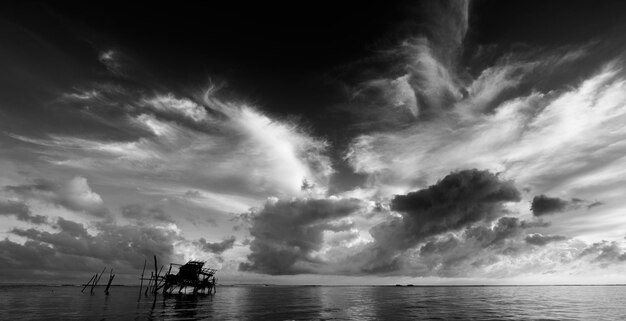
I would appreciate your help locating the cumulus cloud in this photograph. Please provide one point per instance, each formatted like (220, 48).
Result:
(287, 234)
(21, 211)
(459, 199)
(75, 194)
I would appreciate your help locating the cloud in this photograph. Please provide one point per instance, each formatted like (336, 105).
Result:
(232, 147)
(75, 195)
(604, 252)
(566, 140)
(423, 81)
(70, 250)
(459, 199)
(471, 250)
(541, 240)
(217, 247)
(112, 243)
(455, 202)
(287, 234)
(21, 211)
(112, 60)
(545, 205)
(138, 212)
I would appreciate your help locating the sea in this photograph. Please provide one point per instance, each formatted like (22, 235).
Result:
(273, 302)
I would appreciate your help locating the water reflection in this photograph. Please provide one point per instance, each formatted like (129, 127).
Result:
(281, 303)
(315, 303)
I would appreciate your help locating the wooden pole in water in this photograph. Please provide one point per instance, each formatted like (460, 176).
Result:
(111, 276)
(165, 282)
(149, 283)
(141, 284)
(156, 281)
(86, 285)
(155, 272)
(155, 265)
(97, 279)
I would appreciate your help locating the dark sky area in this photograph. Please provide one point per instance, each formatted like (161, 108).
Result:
(287, 58)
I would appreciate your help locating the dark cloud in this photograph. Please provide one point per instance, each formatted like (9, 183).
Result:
(139, 212)
(545, 205)
(286, 233)
(74, 195)
(459, 200)
(217, 247)
(21, 211)
(541, 240)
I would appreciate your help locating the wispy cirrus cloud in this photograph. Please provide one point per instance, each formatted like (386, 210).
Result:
(233, 146)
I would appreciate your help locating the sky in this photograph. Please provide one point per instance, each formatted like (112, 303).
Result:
(424, 142)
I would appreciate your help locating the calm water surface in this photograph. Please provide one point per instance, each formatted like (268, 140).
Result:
(320, 303)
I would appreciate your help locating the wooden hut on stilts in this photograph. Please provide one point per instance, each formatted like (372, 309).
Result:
(191, 275)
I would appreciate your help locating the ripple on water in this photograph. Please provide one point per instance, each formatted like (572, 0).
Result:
(321, 303)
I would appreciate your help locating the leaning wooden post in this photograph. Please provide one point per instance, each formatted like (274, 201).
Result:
(165, 283)
(97, 279)
(111, 276)
(156, 281)
(141, 284)
(86, 285)
(149, 283)
(155, 265)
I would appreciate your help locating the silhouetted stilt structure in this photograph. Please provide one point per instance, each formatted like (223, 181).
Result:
(191, 274)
